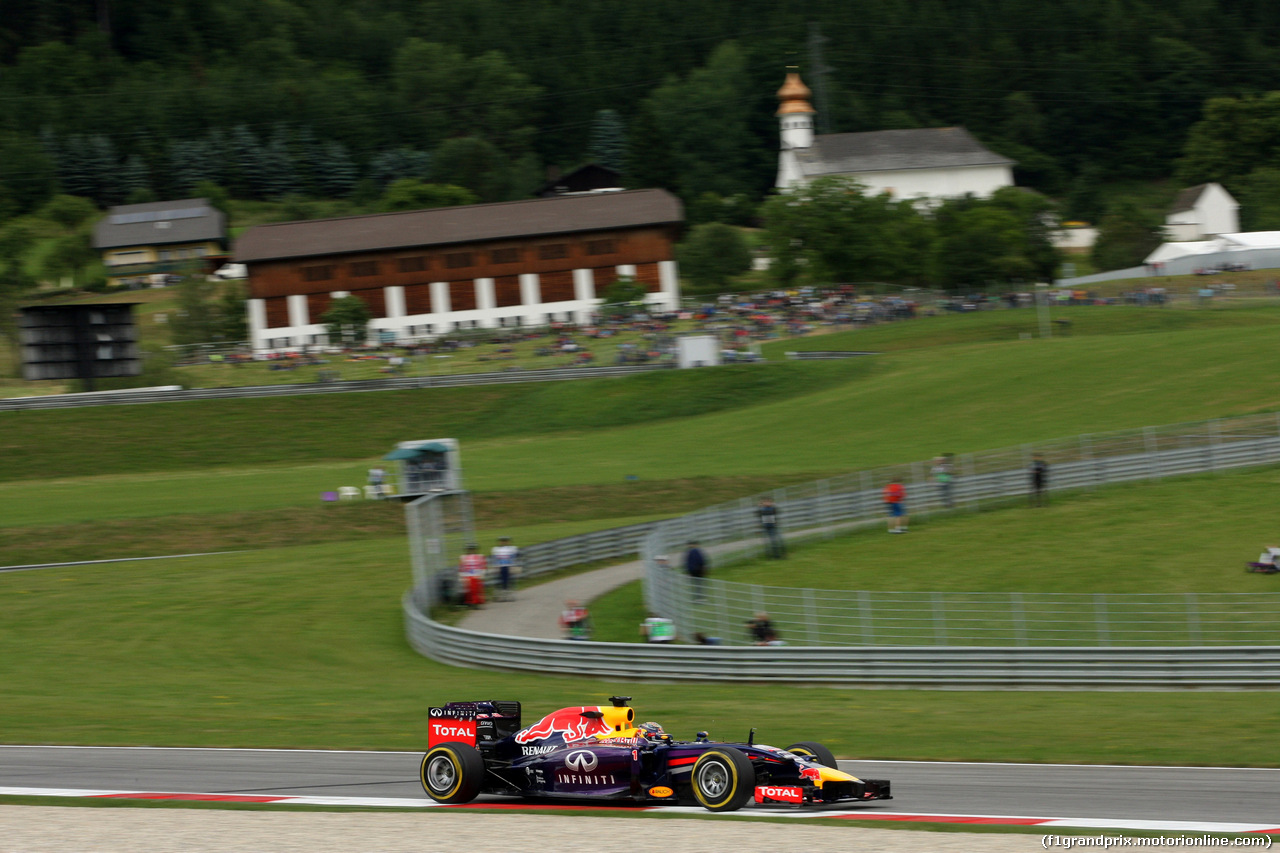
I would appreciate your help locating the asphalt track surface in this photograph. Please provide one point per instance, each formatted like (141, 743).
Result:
(1161, 794)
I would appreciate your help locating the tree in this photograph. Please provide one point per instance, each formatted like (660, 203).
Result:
(413, 194)
(1126, 235)
(1235, 136)
(713, 254)
(208, 312)
(705, 122)
(620, 297)
(1259, 195)
(68, 256)
(829, 230)
(27, 175)
(608, 145)
(69, 211)
(475, 164)
(347, 320)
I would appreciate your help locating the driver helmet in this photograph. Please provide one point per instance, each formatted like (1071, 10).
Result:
(650, 730)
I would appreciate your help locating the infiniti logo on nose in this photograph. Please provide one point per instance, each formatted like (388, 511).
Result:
(582, 762)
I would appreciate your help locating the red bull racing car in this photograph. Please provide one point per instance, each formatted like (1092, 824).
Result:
(598, 752)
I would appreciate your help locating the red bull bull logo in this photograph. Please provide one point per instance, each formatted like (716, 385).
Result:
(571, 723)
(812, 773)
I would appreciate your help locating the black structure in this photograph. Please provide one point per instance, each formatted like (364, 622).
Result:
(80, 342)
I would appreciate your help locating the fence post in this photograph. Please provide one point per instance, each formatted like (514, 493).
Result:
(1211, 446)
(725, 626)
(865, 490)
(1193, 620)
(811, 621)
(1152, 446)
(939, 619)
(1100, 611)
(1086, 454)
(826, 511)
(864, 606)
(966, 465)
(1019, 618)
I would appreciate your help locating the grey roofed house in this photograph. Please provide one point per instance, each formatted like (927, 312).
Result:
(892, 150)
(188, 220)
(467, 224)
(1187, 198)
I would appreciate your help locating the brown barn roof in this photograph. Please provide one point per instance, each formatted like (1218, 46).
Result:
(467, 224)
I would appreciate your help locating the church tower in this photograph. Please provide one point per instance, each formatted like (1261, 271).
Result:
(795, 117)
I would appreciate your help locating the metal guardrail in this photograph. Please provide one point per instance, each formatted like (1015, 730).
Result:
(825, 354)
(68, 401)
(905, 666)
(927, 654)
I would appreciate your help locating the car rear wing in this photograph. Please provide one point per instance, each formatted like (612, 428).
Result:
(473, 723)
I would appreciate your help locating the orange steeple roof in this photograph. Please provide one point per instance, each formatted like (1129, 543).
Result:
(794, 95)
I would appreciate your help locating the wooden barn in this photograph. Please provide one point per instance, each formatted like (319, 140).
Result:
(425, 273)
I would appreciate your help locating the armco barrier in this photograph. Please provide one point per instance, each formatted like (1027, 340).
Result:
(905, 666)
(116, 398)
(1097, 652)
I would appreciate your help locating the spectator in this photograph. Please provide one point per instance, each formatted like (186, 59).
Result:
(378, 480)
(575, 621)
(656, 629)
(695, 566)
(895, 495)
(767, 512)
(1039, 481)
(944, 475)
(471, 571)
(760, 628)
(505, 557)
(703, 640)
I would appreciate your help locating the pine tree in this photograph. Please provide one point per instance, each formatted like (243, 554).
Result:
(608, 145)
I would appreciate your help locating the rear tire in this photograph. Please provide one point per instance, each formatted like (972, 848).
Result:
(723, 779)
(452, 773)
(816, 751)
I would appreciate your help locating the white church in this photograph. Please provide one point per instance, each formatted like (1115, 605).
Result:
(930, 163)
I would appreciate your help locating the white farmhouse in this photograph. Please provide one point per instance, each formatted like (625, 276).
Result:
(1201, 212)
(932, 163)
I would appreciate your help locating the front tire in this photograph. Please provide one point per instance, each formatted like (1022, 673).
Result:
(723, 779)
(816, 751)
(452, 773)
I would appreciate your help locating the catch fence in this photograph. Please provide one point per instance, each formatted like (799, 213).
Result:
(826, 508)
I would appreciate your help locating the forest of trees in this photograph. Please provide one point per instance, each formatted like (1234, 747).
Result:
(127, 100)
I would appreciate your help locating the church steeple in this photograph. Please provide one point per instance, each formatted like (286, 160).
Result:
(795, 119)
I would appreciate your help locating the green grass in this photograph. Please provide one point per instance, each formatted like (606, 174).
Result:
(1184, 535)
(1189, 534)
(302, 645)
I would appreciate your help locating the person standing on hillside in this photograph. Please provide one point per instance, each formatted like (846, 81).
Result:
(944, 475)
(471, 571)
(1039, 481)
(767, 513)
(505, 557)
(895, 496)
(695, 566)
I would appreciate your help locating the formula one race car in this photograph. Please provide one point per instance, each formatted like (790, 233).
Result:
(600, 753)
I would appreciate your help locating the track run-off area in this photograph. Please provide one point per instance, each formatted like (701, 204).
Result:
(1037, 796)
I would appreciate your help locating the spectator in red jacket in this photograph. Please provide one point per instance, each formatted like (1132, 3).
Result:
(895, 496)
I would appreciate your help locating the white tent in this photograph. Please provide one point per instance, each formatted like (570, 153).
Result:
(1169, 251)
(1247, 240)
